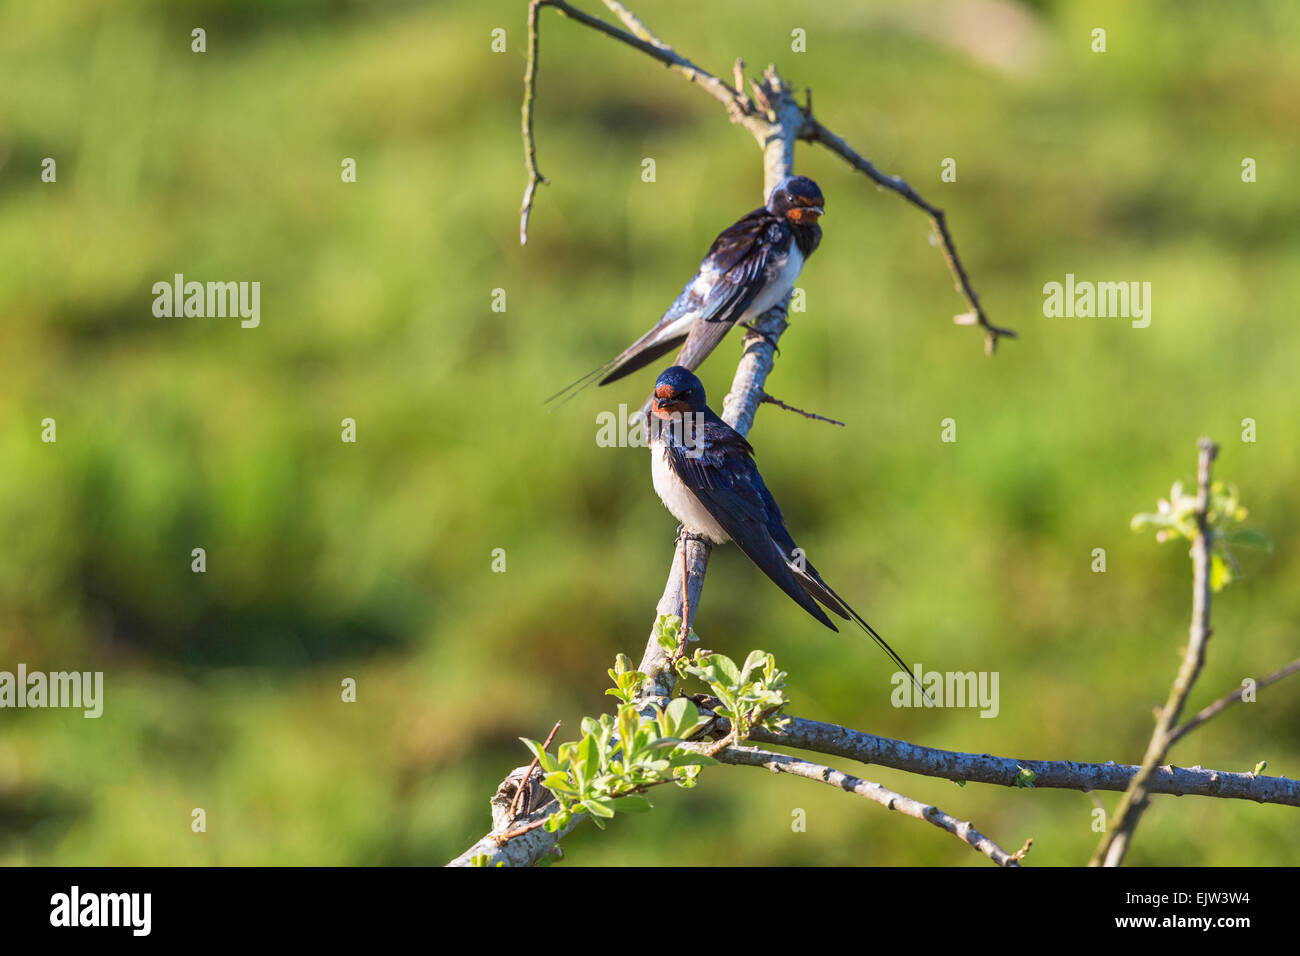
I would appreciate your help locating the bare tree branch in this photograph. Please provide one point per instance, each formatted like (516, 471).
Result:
(815, 132)
(737, 104)
(783, 763)
(1110, 851)
(836, 741)
(833, 740)
(771, 116)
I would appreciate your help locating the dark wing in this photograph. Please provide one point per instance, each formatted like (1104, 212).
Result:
(815, 585)
(724, 280)
(639, 355)
(725, 480)
(737, 265)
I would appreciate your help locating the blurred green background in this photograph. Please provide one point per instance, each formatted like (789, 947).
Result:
(373, 560)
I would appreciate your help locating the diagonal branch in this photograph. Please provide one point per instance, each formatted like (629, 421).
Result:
(769, 400)
(783, 763)
(815, 132)
(1113, 846)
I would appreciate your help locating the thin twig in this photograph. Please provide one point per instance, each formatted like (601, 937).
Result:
(520, 831)
(528, 774)
(686, 603)
(815, 132)
(633, 23)
(641, 38)
(1110, 851)
(535, 178)
(715, 748)
(768, 399)
(1223, 703)
(784, 763)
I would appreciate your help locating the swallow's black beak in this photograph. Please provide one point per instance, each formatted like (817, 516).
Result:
(661, 402)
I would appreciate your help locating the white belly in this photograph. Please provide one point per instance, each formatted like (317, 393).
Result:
(680, 500)
(777, 289)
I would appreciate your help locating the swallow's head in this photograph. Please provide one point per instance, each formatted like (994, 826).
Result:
(678, 391)
(798, 199)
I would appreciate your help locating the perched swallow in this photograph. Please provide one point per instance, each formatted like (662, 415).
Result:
(750, 267)
(705, 474)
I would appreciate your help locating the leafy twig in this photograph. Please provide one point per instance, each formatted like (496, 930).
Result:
(1110, 851)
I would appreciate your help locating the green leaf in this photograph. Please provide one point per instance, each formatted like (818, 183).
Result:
(727, 669)
(586, 761)
(682, 717)
(599, 806)
(633, 803)
(668, 628)
(535, 746)
(729, 707)
(1250, 538)
(686, 777)
(628, 719)
(1220, 573)
(558, 783)
(755, 660)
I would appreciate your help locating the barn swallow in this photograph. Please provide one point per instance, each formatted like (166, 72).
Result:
(750, 267)
(704, 473)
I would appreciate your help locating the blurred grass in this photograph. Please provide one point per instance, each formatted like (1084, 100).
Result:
(372, 561)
